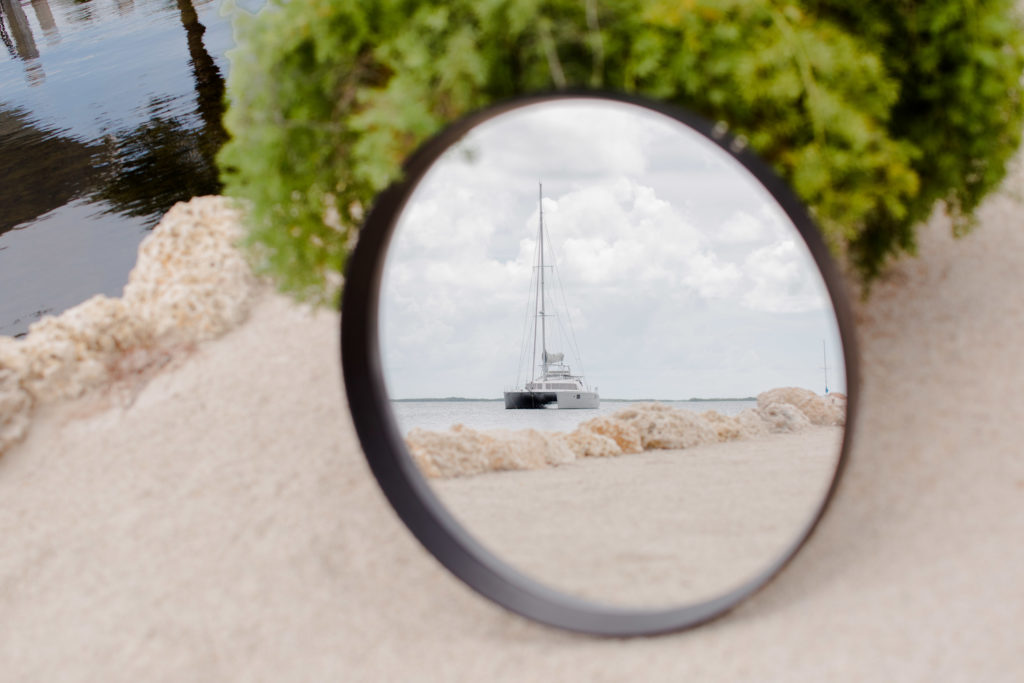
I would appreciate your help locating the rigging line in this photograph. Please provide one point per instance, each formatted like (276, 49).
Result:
(568, 315)
(572, 331)
(565, 305)
(526, 329)
(534, 296)
(568, 345)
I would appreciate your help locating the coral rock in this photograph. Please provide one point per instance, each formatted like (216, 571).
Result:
(784, 417)
(744, 425)
(819, 410)
(66, 355)
(15, 402)
(462, 451)
(662, 426)
(191, 283)
(585, 443)
(625, 435)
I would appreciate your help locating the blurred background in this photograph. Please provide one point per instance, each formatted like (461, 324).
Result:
(110, 112)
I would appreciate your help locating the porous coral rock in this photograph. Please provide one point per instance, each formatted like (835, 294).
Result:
(625, 435)
(15, 402)
(744, 425)
(819, 410)
(784, 417)
(463, 451)
(190, 282)
(662, 426)
(64, 356)
(837, 402)
(752, 424)
(587, 444)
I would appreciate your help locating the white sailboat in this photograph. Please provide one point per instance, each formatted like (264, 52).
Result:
(554, 385)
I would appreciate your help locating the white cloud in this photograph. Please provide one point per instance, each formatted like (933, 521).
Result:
(681, 282)
(741, 228)
(621, 235)
(782, 280)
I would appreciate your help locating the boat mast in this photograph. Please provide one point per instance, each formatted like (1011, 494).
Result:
(536, 310)
(824, 360)
(540, 293)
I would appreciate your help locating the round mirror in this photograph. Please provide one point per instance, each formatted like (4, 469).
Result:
(600, 361)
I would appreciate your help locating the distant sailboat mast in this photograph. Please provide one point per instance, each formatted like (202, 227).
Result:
(824, 360)
(554, 384)
(540, 293)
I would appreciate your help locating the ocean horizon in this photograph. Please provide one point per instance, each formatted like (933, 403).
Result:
(616, 400)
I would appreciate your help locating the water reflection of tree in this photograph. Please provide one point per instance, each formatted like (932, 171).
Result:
(165, 160)
(42, 170)
(6, 39)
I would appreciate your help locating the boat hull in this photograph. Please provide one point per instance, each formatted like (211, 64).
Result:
(578, 400)
(565, 400)
(529, 399)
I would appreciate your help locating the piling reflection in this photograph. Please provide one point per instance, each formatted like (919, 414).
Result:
(124, 122)
(46, 21)
(24, 43)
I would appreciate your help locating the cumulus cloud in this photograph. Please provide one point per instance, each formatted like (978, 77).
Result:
(620, 234)
(742, 228)
(671, 288)
(781, 280)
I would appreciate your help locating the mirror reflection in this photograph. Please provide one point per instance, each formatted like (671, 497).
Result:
(611, 354)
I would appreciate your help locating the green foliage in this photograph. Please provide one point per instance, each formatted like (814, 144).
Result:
(872, 111)
(960, 68)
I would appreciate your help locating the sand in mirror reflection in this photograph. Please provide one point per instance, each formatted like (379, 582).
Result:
(676, 276)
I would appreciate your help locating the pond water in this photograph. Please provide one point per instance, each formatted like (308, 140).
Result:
(109, 114)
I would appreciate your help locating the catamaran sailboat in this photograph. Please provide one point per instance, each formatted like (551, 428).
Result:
(555, 385)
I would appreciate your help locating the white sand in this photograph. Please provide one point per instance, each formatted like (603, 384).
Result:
(225, 527)
(655, 529)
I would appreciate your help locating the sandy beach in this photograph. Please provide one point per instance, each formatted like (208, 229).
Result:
(219, 522)
(654, 529)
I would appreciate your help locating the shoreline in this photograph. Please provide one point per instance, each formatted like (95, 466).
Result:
(712, 516)
(190, 284)
(460, 399)
(462, 451)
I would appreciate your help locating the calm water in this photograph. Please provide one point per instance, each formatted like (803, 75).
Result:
(440, 415)
(109, 114)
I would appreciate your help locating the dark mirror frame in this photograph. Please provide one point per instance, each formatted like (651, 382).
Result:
(409, 492)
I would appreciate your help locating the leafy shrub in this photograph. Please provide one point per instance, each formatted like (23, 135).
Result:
(873, 111)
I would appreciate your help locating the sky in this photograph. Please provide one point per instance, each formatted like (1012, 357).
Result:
(680, 276)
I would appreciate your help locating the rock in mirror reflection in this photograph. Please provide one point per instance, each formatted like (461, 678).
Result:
(462, 451)
(657, 529)
(651, 506)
